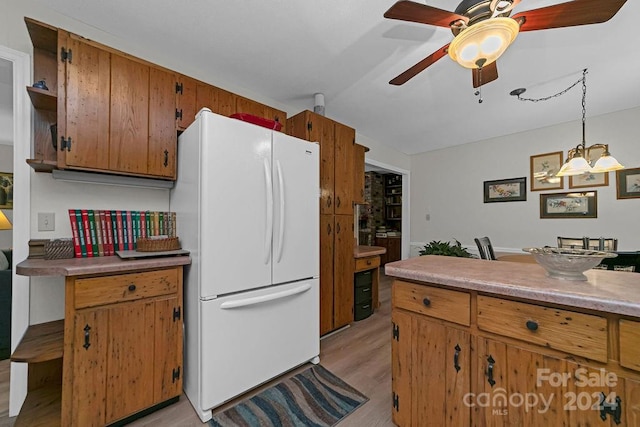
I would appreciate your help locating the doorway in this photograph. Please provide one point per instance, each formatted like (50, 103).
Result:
(384, 221)
(19, 63)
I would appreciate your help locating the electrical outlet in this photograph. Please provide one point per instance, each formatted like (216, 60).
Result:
(46, 222)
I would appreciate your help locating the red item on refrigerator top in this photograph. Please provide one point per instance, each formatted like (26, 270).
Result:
(260, 121)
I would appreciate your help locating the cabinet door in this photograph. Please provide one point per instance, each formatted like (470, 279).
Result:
(129, 124)
(383, 242)
(162, 127)
(326, 272)
(322, 131)
(631, 402)
(441, 359)
(88, 83)
(401, 371)
(185, 101)
(521, 386)
(126, 358)
(358, 174)
(344, 147)
(343, 271)
(217, 100)
(84, 404)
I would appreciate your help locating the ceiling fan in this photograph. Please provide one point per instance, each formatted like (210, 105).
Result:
(483, 29)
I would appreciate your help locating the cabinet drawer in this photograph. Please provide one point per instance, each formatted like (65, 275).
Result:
(96, 291)
(362, 294)
(630, 344)
(576, 333)
(367, 263)
(445, 304)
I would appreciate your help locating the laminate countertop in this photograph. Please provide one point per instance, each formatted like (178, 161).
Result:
(362, 251)
(98, 265)
(607, 291)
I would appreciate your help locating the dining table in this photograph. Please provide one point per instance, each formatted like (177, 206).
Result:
(511, 257)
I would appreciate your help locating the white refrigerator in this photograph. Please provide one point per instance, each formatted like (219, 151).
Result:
(246, 202)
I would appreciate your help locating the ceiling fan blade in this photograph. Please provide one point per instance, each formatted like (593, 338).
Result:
(420, 66)
(405, 10)
(569, 14)
(489, 73)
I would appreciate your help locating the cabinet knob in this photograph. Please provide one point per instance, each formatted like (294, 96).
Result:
(426, 302)
(368, 262)
(531, 325)
(132, 287)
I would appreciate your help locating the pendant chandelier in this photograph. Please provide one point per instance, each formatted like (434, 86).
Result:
(580, 160)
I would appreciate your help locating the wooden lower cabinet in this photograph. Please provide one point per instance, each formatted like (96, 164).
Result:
(427, 352)
(117, 352)
(336, 274)
(448, 371)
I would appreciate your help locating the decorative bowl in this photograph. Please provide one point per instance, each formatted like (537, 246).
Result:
(568, 264)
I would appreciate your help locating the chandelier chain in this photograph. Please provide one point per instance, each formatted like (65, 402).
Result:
(562, 92)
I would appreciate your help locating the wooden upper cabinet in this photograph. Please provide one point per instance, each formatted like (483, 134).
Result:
(358, 173)
(186, 110)
(217, 100)
(249, 106)
(84, 95)
(162, 154)
(128, 148)
(345, 137)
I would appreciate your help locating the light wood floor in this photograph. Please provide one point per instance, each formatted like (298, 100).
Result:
(359, 354)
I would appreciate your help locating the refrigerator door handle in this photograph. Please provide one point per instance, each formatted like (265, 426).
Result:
(265, 298)
(269, 194)
(281, 230)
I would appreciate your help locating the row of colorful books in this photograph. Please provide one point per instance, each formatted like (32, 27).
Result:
(103, 232)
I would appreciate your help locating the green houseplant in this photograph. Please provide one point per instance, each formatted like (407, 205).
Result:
(445, 249)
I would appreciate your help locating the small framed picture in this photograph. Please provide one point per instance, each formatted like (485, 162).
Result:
(628, 183)
(505, 190)
(569, 205)
(544, 168)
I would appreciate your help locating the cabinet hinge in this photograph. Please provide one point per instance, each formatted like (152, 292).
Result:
(175, 374)
(176, 313)
(309, 126)
(396, 332)
(179, 88)
(396, 402)
(65, 55)
(65, 143)
(179, 114)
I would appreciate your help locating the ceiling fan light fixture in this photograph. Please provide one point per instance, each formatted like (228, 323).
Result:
(486, 39)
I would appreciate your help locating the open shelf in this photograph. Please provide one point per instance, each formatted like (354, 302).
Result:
(42, 99)
(42, 165)
(42, 407)
(41, 342)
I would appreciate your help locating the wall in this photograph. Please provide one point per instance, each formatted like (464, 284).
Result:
(447, 185)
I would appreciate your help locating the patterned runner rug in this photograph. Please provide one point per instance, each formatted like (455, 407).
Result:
(313, 397)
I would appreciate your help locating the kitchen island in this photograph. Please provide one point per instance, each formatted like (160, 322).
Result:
(479, 342)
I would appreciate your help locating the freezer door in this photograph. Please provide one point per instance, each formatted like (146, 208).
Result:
(236, 206)
(252, 337)
(296, 179)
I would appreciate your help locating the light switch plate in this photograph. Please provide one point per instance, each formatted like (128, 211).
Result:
(46, 222)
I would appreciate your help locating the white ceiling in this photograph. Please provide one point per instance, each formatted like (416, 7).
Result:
(287, 50)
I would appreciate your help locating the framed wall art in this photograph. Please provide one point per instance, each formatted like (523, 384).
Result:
(591, 179)
(6, 190)
(628, 183)
(505, 190)
(569, 205)
(543, 171)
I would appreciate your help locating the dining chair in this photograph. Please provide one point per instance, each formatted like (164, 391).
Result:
(485, 248)
(602, 244)
(573, 242)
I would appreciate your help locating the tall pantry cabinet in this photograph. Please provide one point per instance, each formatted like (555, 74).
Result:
(337, 150)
